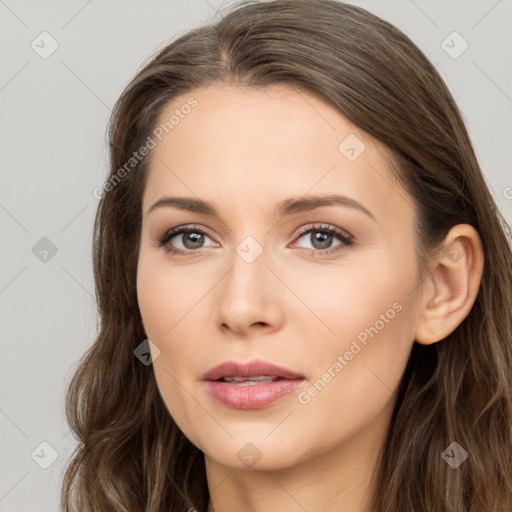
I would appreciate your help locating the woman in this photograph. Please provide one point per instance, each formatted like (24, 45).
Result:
(237, 368)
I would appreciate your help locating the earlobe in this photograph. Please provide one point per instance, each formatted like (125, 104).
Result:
(454, 282)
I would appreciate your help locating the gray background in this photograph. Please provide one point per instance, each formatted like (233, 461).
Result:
(54, 114)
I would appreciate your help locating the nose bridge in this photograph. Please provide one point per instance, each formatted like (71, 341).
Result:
(246, 297)
(246, 281)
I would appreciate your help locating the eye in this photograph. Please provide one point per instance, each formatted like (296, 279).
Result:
(323, 238)
(187, 239)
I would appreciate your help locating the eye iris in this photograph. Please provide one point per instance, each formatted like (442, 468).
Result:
(195, 238)
(324, 239)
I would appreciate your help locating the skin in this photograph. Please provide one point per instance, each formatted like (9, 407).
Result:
(245, 150)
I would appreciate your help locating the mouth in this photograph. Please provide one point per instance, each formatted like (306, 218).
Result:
(249, 381)
(251, 385)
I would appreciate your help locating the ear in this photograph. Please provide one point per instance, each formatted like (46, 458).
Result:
(452, 285)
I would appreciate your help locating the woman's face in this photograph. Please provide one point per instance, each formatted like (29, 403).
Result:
(299, 252)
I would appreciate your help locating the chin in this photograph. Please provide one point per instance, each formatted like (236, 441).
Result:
(254, 452)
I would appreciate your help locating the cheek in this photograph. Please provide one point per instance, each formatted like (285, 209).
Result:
(354, 389)
(343, 302)
(364, 330)
(166, 301)
(358, 362)
(165, 295)
(167, 310)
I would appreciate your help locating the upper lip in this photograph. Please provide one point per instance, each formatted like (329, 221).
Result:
(250, 369)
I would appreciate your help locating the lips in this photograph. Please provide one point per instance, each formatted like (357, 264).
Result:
(251, 369)
(250, 385)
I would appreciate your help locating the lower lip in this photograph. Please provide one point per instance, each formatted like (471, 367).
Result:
(253, 396)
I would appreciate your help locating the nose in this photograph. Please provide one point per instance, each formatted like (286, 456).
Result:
(248, 298)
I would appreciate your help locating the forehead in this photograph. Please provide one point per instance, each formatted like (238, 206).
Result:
(255, 145)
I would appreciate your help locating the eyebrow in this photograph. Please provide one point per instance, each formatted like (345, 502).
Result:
(285, 207)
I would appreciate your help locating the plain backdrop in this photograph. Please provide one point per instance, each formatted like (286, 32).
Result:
(63, 65)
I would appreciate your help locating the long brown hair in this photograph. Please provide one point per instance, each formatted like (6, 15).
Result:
(131, 455)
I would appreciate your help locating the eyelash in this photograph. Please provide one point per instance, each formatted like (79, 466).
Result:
(346, 239)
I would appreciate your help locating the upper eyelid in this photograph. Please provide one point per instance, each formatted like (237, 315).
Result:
(323, 227)
(180, 230)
